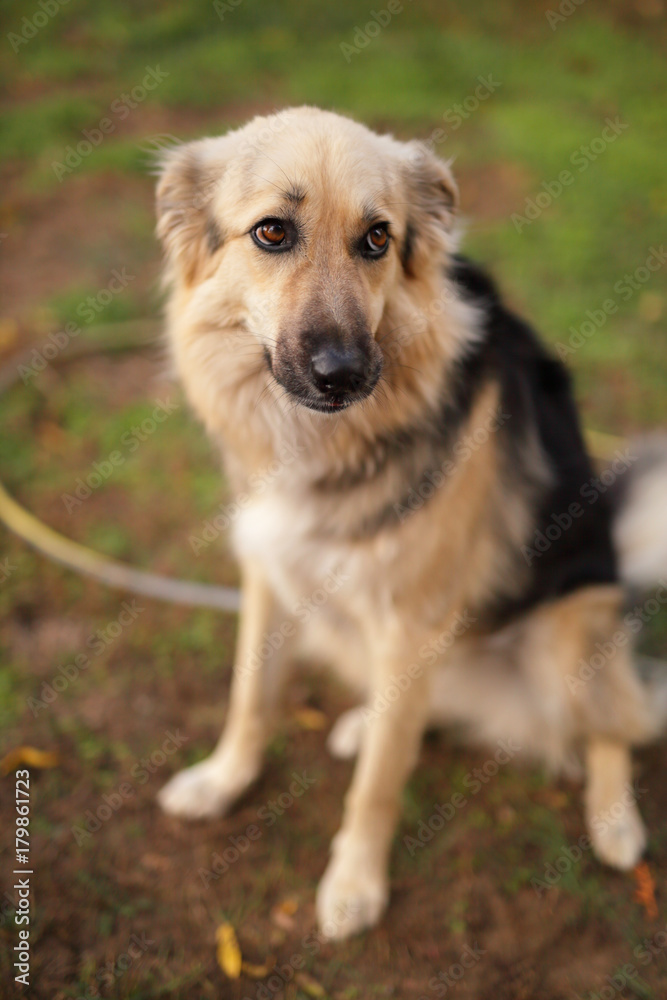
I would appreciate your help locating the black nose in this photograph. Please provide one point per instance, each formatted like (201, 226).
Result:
(338, 370)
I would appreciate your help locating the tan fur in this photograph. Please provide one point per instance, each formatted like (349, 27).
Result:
(316, 486)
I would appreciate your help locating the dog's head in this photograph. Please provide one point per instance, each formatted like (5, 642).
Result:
(299, 229)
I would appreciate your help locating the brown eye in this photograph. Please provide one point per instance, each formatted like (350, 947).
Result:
(270, 233)
(376, 241)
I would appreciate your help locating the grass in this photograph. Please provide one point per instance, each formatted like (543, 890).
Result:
(552, 93)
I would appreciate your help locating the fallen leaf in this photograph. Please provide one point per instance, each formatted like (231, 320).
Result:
(29, 756)
(9, 329)
(228, 952)
(258, 971)
(309, 985)
(645, 892)
(311, 718)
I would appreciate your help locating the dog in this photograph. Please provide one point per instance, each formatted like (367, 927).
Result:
(402, 444)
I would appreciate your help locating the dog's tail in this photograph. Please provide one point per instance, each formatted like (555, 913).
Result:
(640, 535)
(640, 525)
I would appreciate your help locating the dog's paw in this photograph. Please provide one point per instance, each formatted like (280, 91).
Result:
(620, 842)
(204, 791)
(344, 740)
(352, 894)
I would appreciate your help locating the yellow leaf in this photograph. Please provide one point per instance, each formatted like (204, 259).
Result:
(29, 756)
(258, 971)
(311, 718)
(228, 952)
(9, 329)
(309, 985)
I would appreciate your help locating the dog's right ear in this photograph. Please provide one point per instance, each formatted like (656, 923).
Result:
(185, 208)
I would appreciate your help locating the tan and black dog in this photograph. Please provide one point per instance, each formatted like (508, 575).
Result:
(405, 446)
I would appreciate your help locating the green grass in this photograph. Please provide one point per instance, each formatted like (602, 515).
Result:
(554, 92)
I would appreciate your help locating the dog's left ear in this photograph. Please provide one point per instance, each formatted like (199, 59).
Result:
(433, 198)
(185, 202)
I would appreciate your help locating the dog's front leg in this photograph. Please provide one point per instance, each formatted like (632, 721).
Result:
(355, 888)
(211, 787)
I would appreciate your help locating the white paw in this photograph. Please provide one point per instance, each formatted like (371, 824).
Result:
(206, 790)
(619, 842)
(344, 740)
(352, 894)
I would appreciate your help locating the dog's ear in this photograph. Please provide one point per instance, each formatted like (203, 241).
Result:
(433, 197)
(185, 202)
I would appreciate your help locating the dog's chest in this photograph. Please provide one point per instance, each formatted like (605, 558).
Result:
(284, 534)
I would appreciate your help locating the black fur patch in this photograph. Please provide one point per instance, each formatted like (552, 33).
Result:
(537, 392)
(407, 248)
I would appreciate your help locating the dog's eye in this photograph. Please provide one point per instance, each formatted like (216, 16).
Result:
(376, 240)
(270, 233)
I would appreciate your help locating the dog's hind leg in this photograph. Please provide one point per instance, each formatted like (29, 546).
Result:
(608, 708)
(615, 826)
(211, 787)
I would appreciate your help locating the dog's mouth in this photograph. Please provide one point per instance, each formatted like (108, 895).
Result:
(326, 389)
(323, 403)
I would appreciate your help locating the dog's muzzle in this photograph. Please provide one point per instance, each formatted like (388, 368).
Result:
(330, 375)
